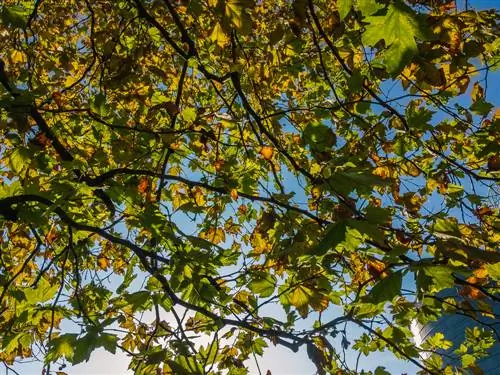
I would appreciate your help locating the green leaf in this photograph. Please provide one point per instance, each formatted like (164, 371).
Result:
(98, 105)
(481, 107)
(188, 114)
(10, 343)
(380, 370)
(236, 12)
(438, 341)
(455, 189)
(319, 137)
(386, 289)
(353, 239)
(494, 271)
(368, 310)
(335, 235)
(441, 276)
(344, 7)
(140, 301)
(9, 190)
(378, 215)
(128, 278)
(19, 159)
(83, 348)
(158, 98)
(62, 346)
(418, 118)
(258, 346)
(355, 82)
(398, 27)
(41, 293)
(187, 365)
(108, 342)
(15, 15)
(367, 229)
(263, 284)
(447, 226)
(276, 35)
(368, 7)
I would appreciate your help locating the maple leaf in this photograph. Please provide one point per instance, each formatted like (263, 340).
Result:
(398, 27)
(219, 36)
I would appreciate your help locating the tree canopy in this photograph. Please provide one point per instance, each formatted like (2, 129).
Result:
(254, 174)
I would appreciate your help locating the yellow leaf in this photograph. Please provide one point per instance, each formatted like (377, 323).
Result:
(496, 115)
(260, 244)
(315, 168)
(316, 192)
(231, 227)
(219, 36)
(481, 273)
(174, 171)
(410, 169)
(300, 296)
(214, 235)
(17, 57)
(70, 79)
(266, 152)
(382, 171)
(198, 196)
(465, 230)
(431, 185)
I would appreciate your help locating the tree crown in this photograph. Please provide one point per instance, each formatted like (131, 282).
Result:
(241, 170)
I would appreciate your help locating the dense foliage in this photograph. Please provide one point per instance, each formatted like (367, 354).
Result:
(253, 173)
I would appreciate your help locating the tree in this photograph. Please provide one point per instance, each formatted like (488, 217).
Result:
(205, 160)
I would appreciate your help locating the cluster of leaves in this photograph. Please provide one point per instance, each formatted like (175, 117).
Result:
(202, 160)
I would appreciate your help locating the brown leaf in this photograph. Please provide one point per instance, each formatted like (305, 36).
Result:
(234, 194)
(143, 187)
(477, 92)
(42, 140)
(51, 236)
(471, 292)
(172, 108)
(377, 269)
(57, 97)
(218, 165)
(494, 163)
